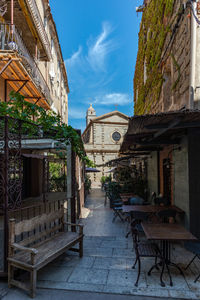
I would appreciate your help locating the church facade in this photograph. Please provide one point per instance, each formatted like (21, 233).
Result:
(102, 139)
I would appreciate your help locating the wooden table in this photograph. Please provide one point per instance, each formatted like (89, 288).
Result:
(149, 208)
(166, 233)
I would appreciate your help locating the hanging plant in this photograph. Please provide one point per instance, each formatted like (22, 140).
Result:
(47, 121)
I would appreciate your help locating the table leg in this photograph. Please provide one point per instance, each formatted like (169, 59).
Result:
(166, 252)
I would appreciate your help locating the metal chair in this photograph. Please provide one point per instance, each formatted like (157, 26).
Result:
(146, 249)
(116, 205)
(136, 217)
(193, 247)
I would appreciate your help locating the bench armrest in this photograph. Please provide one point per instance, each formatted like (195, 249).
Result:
(75, 225)
(26, 249)
(32, 251)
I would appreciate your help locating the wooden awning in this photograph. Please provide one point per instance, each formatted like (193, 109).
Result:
(153, 131)
(13, 71)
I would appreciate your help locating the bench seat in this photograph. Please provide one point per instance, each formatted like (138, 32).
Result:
(48, 249)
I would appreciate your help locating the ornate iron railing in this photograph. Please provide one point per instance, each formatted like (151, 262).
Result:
(10, 39)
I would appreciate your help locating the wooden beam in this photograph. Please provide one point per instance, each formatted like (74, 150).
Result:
(155, 148)
(24, 83)
(17, 77)
(6, 66)
(178, 126)
(170, 126)
(161, 142)
(9, 58)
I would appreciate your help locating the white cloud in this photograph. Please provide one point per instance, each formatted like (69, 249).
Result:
(97, 52)
(75, 58)
(114, 98)
(76, 113)
(100, 48)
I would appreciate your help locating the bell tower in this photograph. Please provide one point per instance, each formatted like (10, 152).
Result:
(90, 115)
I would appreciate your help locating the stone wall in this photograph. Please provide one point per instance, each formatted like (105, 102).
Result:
(176, 96)
(162, 79)
(181, 179)
(152, 172)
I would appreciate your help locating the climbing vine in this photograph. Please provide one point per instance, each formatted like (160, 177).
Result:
(148, 79)
(178, 68)
(47, 122)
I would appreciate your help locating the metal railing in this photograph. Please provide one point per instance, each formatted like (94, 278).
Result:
(10, 39)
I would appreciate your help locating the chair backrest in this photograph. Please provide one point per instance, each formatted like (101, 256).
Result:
(164, 215)
(139, 216)
(35, 230)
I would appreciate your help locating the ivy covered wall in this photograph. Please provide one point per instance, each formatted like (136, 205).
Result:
(161, 80)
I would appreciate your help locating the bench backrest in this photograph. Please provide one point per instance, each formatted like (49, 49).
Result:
(36, 230)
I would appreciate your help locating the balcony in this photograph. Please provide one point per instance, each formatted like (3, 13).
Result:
(39, 25)
(12, 43)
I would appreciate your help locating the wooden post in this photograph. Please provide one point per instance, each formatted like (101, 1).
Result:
(33, 282)
(11, 238)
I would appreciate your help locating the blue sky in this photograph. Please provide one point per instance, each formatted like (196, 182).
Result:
(99, 41)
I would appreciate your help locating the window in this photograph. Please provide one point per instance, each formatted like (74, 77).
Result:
(116, 136)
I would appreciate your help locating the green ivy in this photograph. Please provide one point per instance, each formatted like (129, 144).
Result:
(155, 25)
(46, 120)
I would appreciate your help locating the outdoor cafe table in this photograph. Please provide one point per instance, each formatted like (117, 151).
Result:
(149, 208)
(167, 233)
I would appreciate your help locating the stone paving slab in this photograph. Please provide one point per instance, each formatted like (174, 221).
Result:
(55, 273)
(73, 261)
(88, 276)
(125, 278)
(121, 244)
(108, 263)
(102, 252)
(71, 286)
(117, 252)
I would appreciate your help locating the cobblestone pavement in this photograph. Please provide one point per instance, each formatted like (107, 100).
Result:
(108, 258)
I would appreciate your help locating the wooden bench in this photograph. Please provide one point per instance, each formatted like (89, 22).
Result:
(42, 239)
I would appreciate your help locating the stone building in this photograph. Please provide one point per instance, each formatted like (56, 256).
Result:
(31, 60)
(167, 73)
(166, 104)
(102, 139)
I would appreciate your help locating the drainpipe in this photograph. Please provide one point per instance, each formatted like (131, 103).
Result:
(193, 58)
